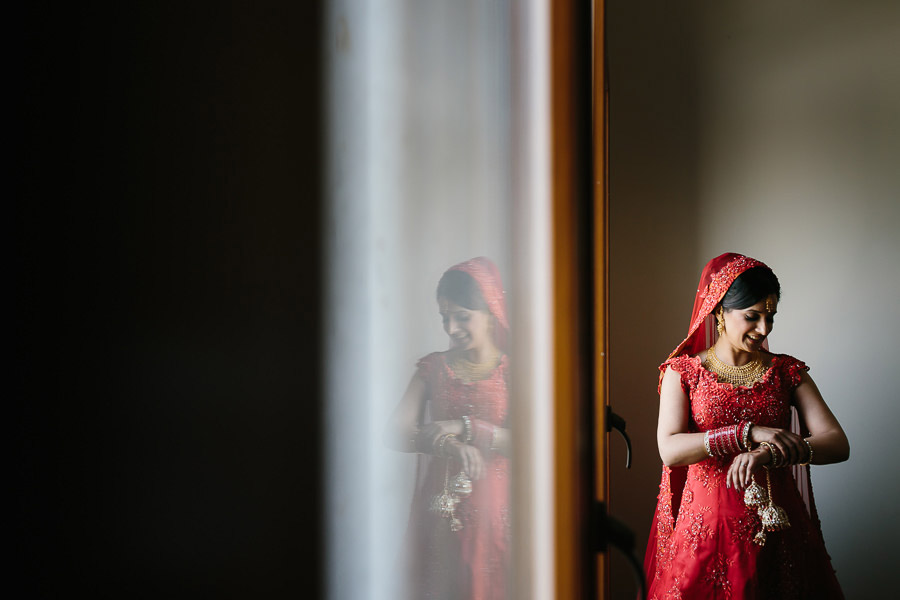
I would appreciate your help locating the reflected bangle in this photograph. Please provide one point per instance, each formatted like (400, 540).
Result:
(441, 442)
(706, 443)
(468, 434)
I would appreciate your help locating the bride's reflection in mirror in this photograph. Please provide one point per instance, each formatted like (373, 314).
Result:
(454, 415)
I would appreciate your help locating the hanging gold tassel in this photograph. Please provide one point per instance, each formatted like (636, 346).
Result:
(754, 495)
(773, 517)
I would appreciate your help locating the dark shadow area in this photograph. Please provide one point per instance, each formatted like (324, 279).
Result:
(165, 390)
(654, 191)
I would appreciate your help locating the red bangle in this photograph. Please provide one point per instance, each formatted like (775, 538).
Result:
(725, 440)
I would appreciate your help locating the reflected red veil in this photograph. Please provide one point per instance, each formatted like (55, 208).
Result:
(487, 276)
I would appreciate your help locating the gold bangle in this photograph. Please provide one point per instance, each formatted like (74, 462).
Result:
(772, 452)
(810, 457)
(745, 438)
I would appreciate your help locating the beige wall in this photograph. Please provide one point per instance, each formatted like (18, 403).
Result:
(771, 129)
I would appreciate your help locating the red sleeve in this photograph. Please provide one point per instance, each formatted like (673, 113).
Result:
(424, 366)
(687, 367)
(793, 370)
(430, 367)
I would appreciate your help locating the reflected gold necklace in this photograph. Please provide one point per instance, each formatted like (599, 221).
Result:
(470, 371)
(745, 375)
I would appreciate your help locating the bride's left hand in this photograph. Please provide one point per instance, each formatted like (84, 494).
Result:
(744, 465)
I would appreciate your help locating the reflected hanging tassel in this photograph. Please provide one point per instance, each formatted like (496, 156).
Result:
(462, 485)
(445, 503)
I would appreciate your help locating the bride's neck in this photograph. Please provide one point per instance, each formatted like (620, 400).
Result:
(733, 356)
(488, 352)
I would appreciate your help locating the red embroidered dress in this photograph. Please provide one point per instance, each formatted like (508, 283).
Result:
(470, 563)
(701, 541)
(702, 545)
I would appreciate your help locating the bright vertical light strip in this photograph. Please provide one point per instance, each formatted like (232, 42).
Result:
(387, 86)
(539, 93)
(363, 265)
(534, 480)
(347, 321)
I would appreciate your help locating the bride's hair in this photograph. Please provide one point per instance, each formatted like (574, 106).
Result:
(750, 287)
(460, 288)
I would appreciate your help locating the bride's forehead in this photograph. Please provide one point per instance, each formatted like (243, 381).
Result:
(766, 305)
(447, 306)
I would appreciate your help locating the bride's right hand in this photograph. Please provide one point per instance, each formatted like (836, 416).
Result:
(469, 456)
(743, 466)
(428, 435)
(791, 446)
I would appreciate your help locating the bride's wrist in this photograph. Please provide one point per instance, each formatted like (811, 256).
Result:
(454, 426)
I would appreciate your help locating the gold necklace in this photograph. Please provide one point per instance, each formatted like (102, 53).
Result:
(470, 371)
(745, 375)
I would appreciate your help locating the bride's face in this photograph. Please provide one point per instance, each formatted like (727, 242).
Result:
(747, 328)
(467, 328)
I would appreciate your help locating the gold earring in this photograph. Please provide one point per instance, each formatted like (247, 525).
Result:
(720, 323)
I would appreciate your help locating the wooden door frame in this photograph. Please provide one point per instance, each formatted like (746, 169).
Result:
(580, 268)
